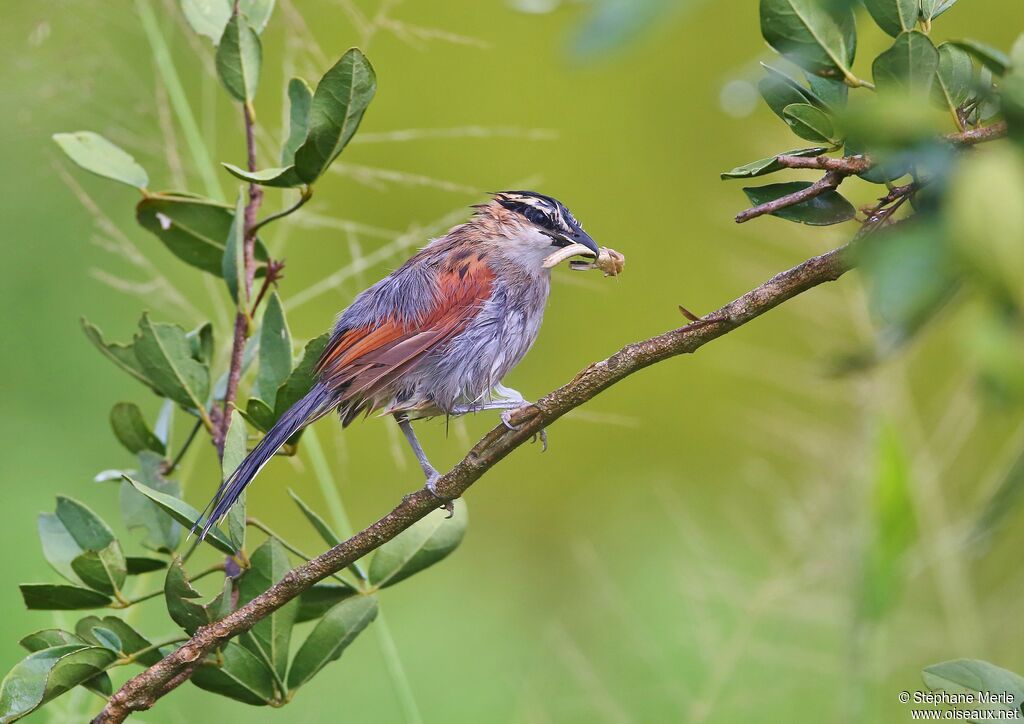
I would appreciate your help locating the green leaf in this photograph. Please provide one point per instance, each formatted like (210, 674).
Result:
(931, 9)
(131, 429)
(271, 636)
(238, 60)
(181, 606)
(209, 17)
(339, 102)
(421, 545)
(954, 79)
(275, 350)
(809, 123)
(973, 676)
(893, 16)
(300, 101)
(200, 341)
(233, 262)
(241, 675)
(995, 60)
(833, 93)
(192, 228)
(104, 570)
(332, 634)
(184, 514)
(50, 637)
(258, 414)
(70, 532)
(909, 66)
(909, 273)
(286, 177)
(97, 155)
(302, 378)
(60, 597)
(823, 210)
(137, 565)
(162, 532)
(234, 453)
(131, 640)
(165, 356)
(819, 37)
(46, 674)
(330, 537)
(316, 601)
(122, 355)
(764, 166)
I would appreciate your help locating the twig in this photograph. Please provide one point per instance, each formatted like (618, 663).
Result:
(184, 449)
(307, 194)
(838, 169)
(829, 182)
(141, 692)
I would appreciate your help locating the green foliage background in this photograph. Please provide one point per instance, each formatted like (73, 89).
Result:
(692, 546)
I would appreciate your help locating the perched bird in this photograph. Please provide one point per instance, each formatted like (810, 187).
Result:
(438, 334)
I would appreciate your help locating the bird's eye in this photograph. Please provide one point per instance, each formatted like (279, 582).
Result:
(538, 217)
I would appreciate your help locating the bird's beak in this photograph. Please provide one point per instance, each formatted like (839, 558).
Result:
(582, 237)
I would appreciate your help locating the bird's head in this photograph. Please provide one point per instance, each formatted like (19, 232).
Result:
(537, 223)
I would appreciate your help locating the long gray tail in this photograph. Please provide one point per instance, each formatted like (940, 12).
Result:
(315, 404)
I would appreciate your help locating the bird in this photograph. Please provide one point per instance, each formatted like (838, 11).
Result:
(436, 336)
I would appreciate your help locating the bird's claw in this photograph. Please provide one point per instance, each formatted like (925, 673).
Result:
(431, 487)
(506, 420)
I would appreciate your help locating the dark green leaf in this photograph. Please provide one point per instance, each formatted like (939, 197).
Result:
(271, 636)
(96, 154)
(893, 16)
(233, 263)
(832, 92)
(423, 544)
(332, 634)
(316, 601)
(59, 547)
(70, 532)
(241, 675)
(87, 528)
(780, 89)
(165, 355)
(339, 102)
(131, 640)
(972, 676)
(138, 565)
(179, 596)
(46, 674)
(184, 514)
(194, 229)
(200, 340)
(300, 99)
(162, 532)
(931, 9)
(302, 377)
(239, 57)
(810, 123)
(275, 350)
(122, 355)
(284, 177)
(49, 637)
(909, 66)
(330, 537)
(107, 639)
(258, 414)
(103, 570)
(995, 60)
(823, 210)
(954, 79)
(820, 37)
(131, 429)
(59, 597)
(769, 165)
(234, 453)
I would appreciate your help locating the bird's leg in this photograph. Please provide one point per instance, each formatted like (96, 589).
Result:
(429, 470)
(509, 401)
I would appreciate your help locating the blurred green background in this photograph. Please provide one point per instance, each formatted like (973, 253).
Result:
(692, 546)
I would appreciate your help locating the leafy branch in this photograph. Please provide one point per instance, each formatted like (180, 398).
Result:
(144, 690)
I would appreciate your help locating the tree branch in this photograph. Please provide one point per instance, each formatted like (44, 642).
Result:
(839, 169)
(144, 690)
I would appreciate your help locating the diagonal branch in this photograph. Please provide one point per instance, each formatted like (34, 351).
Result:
(144, 690)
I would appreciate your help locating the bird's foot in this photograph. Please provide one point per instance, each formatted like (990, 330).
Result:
(431, 486)
(506, 420)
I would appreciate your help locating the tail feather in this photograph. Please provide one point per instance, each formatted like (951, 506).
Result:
(314, 405)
